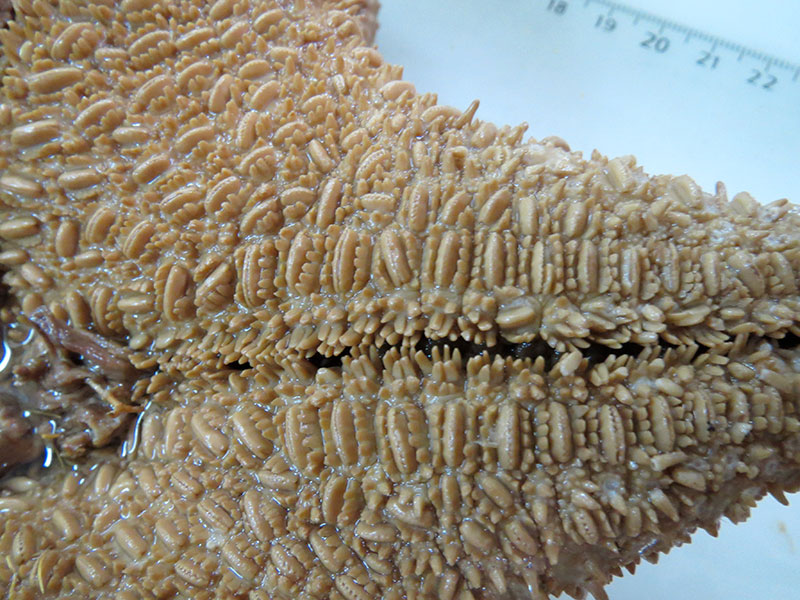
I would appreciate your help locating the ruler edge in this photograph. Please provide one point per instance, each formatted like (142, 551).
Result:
(769, 59)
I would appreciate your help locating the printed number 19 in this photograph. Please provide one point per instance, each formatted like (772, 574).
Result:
(608, 24)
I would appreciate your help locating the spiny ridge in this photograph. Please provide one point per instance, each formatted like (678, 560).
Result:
(417, 475)
(221, 189)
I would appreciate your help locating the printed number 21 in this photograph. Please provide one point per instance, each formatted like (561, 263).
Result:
(708, 60)
(557, 6)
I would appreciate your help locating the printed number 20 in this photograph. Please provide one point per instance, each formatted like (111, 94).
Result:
(655, 42)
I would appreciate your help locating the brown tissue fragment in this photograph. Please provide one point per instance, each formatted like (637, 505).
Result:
(6, 12)
(17, 445)
(97, 353)
(386, 349)
(69, 389)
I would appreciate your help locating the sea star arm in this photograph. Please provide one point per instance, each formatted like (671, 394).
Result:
(397, 351)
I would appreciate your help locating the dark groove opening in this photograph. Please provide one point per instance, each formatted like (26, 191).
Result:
(596, 353)
(503, 348)
(239, 366)
(789, 342)
(328, 362)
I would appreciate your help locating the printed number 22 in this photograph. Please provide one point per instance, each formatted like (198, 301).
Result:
(762, 80)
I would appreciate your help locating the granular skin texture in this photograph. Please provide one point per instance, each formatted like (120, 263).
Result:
(388, 350)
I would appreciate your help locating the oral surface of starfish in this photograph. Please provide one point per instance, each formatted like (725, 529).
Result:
(358, 344)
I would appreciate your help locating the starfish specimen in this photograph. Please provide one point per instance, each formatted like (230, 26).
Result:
(380, 348)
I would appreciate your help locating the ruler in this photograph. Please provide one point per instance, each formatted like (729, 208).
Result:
(701, 49)
(606, 75)
(709, 91)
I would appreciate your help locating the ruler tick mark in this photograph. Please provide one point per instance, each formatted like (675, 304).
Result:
(708, 46)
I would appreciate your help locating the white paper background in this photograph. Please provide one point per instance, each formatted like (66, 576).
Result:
(525, 65)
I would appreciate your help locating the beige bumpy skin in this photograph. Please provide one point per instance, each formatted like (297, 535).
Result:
(388, 350)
